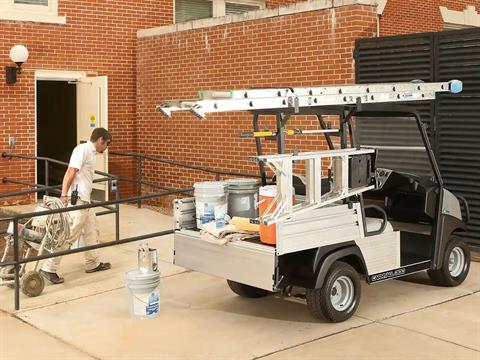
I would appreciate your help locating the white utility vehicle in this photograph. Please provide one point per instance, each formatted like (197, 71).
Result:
(382, 213)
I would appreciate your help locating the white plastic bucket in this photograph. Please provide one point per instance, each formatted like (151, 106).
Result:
(242, 197)
(211, 201)
(144, 294)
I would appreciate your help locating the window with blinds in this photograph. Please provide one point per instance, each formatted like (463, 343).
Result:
(234, 8)
(32, 2)
(186, 10)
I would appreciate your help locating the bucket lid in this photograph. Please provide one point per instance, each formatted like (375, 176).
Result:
(210, 185)
(138, 276)
(269, 191)
(242, 182)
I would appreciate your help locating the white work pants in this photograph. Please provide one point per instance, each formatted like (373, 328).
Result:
(84, 224)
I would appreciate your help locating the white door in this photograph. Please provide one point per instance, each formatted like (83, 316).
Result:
(92, 112)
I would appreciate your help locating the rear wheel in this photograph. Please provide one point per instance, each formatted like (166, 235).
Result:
(247, 290)
(338, 298)
(455, 266)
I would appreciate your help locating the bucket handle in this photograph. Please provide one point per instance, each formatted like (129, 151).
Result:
(136, 297)
(257, 204)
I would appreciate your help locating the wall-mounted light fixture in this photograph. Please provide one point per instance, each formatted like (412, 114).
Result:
(18, 54)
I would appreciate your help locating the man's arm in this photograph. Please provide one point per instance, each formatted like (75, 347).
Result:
(67, 182)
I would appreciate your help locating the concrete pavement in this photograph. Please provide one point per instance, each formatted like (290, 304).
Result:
(200, 318)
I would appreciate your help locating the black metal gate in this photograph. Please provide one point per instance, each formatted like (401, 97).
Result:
(453, 123)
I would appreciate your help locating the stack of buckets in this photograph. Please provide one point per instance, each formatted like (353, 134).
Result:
(235, 197)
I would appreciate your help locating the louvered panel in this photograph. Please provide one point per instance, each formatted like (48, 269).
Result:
(458, 120)
(453, 120)
(397, 59)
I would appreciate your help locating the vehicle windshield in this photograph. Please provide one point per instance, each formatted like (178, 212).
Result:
(398, 142)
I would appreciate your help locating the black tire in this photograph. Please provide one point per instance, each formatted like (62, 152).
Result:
(32, 283)
(320, 302)
(247, 290)
(452, 273)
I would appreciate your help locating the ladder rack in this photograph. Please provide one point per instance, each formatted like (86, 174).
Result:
(302, 97)
(282, 165)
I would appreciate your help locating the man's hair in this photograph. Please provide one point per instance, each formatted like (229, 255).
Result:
(100, 133)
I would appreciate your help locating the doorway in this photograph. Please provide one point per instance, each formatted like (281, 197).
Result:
(56, 127)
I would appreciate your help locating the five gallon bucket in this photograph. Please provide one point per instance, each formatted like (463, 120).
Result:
(144, 293)
(242, 198)
(210, 201)
(268, 233)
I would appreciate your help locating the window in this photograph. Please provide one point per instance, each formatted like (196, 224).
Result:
(32, 2)
(31, 10)
(187, 10)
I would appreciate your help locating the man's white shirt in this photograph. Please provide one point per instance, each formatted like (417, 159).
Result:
(83, 159)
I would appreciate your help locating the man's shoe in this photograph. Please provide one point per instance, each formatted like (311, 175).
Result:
(101, 267)
(52, 277)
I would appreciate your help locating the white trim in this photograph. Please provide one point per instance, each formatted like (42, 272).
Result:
(294, 8)
(59, 75)
(35, 13)
(381, 6)
(455, 19)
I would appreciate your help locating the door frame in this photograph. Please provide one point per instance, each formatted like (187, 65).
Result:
(51, 75)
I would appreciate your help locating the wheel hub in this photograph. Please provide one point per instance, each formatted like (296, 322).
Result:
(342, 293)
(456, 261)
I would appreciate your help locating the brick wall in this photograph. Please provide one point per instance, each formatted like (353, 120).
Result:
(99, 38)
(310, 48)
(412, 16)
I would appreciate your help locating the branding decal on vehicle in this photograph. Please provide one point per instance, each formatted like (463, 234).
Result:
(388, 274)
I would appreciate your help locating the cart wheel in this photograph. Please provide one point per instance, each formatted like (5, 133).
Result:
(338, 298)
(32, 283)
(456, 264)
(247, 290)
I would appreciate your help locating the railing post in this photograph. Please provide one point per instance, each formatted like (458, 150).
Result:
(117, 213)
(17, 265)
(139, 181)
(46, 176)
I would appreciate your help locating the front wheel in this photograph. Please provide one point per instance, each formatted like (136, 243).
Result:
(338, 298)
(455, 266)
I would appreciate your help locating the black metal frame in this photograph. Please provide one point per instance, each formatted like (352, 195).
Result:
(345, 114)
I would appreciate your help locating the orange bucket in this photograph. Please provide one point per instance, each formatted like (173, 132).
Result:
(268, 233)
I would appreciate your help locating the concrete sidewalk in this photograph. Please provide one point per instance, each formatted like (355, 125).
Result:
(87, 317)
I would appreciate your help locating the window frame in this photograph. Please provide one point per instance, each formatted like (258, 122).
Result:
(9, 10)
(219, 6)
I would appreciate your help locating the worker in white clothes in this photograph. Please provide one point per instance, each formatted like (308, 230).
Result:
(79, 178)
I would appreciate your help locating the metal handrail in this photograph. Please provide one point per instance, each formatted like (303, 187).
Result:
(141, 157)
(15, 218)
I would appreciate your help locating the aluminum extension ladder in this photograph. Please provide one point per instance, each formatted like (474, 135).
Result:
(301, 97)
